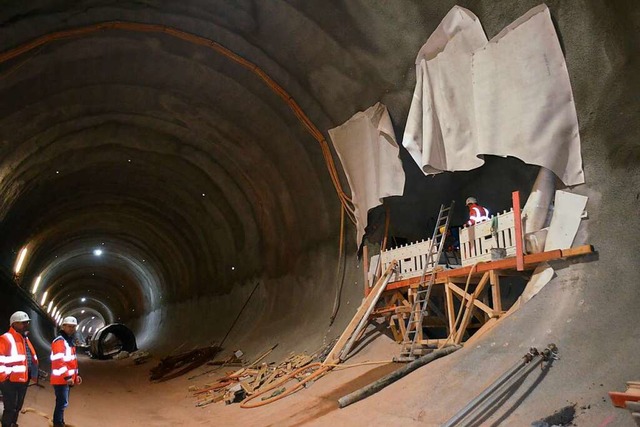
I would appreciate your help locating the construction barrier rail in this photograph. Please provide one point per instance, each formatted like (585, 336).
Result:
(498, 232)
(411, 259)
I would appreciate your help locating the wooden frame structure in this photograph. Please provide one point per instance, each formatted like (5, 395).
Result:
(475, 290)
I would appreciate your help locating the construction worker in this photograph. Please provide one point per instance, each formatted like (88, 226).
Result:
(64, 367)
(477, 213)
(18, 363)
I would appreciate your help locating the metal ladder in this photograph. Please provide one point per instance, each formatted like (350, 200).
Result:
(419, 308)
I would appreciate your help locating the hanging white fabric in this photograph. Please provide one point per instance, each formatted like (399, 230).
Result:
(510, 96)
(369, 153)
(441, 127)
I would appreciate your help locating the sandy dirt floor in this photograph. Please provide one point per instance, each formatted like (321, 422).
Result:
(118, 393)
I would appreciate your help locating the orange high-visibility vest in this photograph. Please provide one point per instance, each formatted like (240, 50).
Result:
(13, 357)
(64, 364)
(477, 214)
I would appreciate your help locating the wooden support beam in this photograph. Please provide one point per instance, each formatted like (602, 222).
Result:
(365, 267)
(580, 250)
(494, 278)
(466, 318)
(394, 322)
(517, 220)
(433, 342)
(363, 311)
(451, 315)
(477, 303)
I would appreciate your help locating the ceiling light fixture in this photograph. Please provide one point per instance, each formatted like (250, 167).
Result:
(21, 257)
(35, 285)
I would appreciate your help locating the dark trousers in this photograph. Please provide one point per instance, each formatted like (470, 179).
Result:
(62, 401)
(12, 397)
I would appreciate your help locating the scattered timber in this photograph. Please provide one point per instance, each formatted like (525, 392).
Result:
(257, 377)
(174, 366)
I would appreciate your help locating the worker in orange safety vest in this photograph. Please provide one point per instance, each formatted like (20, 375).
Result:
(18, 364)
(64, 367)
(477, 213)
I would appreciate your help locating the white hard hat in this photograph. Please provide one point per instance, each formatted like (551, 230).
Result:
(19, 316)
(70, 320)
(470, 200)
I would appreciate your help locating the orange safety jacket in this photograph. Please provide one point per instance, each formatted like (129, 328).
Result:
(13, 357)
(477, 214)
(64, 364)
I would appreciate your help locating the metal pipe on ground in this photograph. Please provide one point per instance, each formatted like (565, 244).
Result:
(394, 376)
(487, 397)
(488, 403)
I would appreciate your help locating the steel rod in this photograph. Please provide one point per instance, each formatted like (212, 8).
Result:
(483, 395)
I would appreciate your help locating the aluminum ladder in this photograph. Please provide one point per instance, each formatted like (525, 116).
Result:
(410, 341)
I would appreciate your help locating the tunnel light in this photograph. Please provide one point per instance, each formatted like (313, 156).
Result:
(49, 307)
(233, 268)
(35, 285)
(82, 330)
(93, 317)
(203, 194)
(21, 257)
(57, 172)
(97, 252)
(44, 298)
(90, 329)
(82, 312)
(55, 312)
(83, 299)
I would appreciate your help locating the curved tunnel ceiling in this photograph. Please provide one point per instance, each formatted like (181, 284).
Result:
(182, 164)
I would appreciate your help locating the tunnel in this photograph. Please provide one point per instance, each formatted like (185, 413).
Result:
(167, 166)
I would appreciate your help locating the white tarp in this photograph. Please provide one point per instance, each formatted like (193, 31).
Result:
(441, 129)
(507, 97)
(369, 153)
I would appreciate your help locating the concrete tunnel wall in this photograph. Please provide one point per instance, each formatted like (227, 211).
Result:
(114, 138)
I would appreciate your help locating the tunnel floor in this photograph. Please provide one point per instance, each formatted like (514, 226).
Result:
(117, 392)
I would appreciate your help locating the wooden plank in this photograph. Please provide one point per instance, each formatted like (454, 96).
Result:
(580, 250)
(433, 341)
(451, 315)
(365, 267)
(517, 220)
(368, 303)
(395, 330)
(466, 318)
(496, 295)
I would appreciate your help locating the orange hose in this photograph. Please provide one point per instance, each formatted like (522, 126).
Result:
(312, 129)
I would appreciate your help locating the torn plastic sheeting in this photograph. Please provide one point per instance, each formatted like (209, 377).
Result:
(369, 154)
(567, 214)
(440, 131)
(510, 97)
